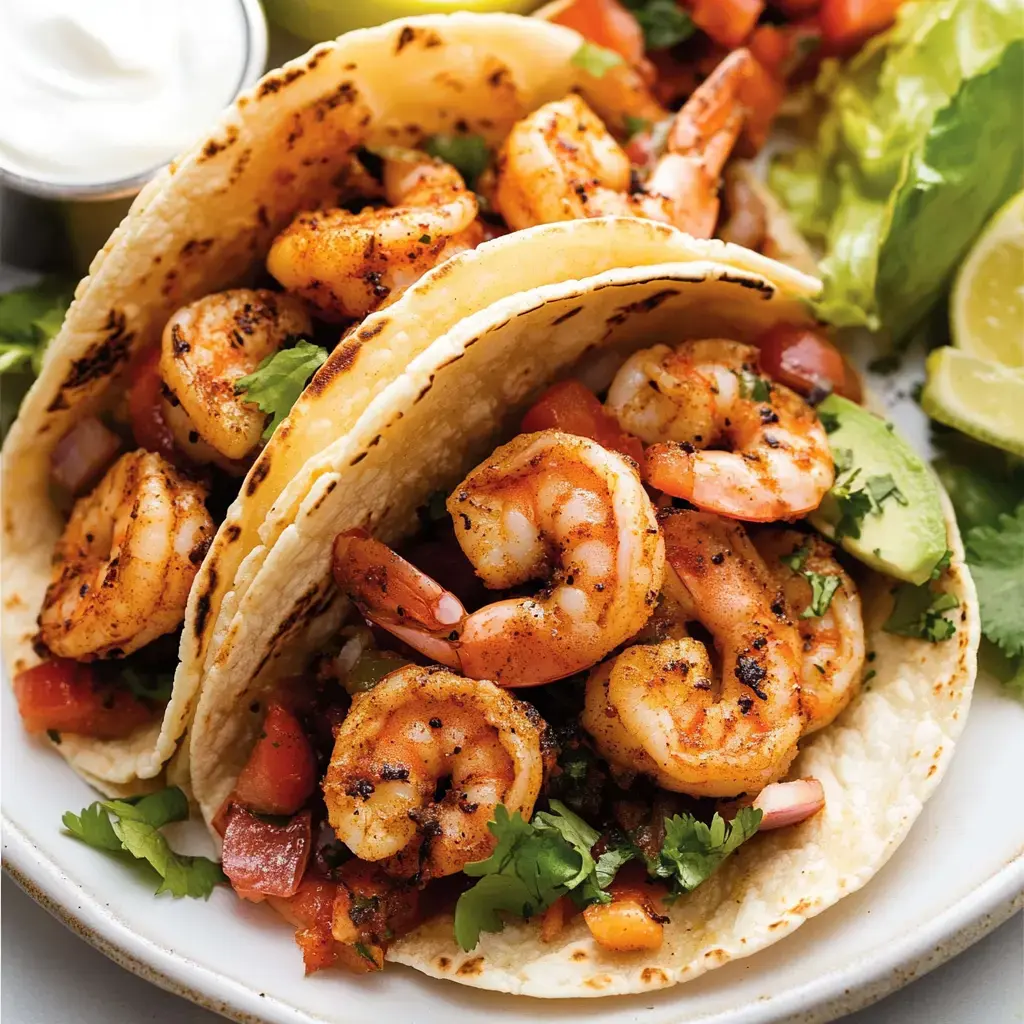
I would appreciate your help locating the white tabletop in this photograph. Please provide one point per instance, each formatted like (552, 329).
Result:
(49, 976)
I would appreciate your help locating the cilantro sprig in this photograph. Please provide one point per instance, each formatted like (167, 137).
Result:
(537, 862)
(823, 585)
(996, 556)
(468, 154)
(857, 496)
(663, 22)
(133, 826)
(918, 612)
(275, 385)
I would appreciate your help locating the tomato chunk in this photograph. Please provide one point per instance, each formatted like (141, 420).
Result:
(144, 393)
(603, 22)
(804, 359)
(846, 24)
(761, 94)
(573, 408)
(264, 859)
(728, 22)
(61, 695)
(310, 910)
(280, 775)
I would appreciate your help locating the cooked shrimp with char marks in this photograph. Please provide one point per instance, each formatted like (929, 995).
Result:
(661, 710)
(126, 561)
(832, 644)
(207, 347)
(349, 264)
(422, 760)
(686, 401)
(561, 162)
(544, 506)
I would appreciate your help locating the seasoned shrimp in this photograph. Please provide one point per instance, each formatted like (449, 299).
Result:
(660, 710)
(416, 732)
(349, 264)
(544, 506)
(207, 346)
(125, 563)
(561, 162)
(833, 643)
(704, 393)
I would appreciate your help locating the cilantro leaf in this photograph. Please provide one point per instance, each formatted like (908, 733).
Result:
(29, 318)
(693, 851)
(941, 565)
(829, 421)
(635, 125)
(883, 487)
(275, 385)
(663, 22)
(823, 587)
(575, 831)
(854, 506)
(610, 861)
(796, 559)
(179, 875)
(156, 687)
(132, 826)
(753, 386)
(468, 154)
(917, 612)
(595, 60)
(996, 557)
(92, 826)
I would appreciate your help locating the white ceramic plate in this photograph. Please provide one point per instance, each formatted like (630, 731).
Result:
(959, 874)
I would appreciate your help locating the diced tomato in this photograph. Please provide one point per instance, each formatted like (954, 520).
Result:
(64, 696)
(280, 775)
(770, 47)
(144, 392)
(761, 95)
(603, 22)
(804, 359)
(263, 859)
(572, 407)
(728, 22)
(847, 24)
(310, 910)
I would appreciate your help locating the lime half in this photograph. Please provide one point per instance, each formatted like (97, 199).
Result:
(977, 396)
(987, 303)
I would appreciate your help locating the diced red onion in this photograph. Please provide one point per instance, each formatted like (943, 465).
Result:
(82, 455)
(781, 803)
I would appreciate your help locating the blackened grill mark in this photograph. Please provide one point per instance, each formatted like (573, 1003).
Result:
(100, 360)
(750, 673)
(259, 474)
(371, 332)
(766, 289)
(203, 604)
(566, 316)
(269, 86)
(232, 533)
(198, 553)
(405, 37)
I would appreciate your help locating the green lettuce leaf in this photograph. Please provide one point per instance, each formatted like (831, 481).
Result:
(892, 185)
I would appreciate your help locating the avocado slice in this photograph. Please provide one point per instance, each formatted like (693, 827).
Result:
(885, 507)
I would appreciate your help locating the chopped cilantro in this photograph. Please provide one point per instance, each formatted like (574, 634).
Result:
(635, 125)
(132, 827)
(753, 386)
(156, 687)
(884, 487)
(842, 459)
(796, 559)
(424, 239)
(692, 851)
(823, 587)
(468, 154)
(942, 564)
(854, 506)
(275, 385)
(595, 60)
(365, 953)
(663, 22)
(917, 612)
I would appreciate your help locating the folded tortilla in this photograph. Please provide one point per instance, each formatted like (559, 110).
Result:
(454, 403)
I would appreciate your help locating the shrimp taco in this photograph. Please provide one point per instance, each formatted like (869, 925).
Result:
(337, 184)
(614, 639)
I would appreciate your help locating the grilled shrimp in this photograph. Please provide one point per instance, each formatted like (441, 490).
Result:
(125, 563)
(349, 264)
(207, 346)
(703, 393)
(833, 643)
(660, 710)
(562, 163)
(417, 731)
(544, 506)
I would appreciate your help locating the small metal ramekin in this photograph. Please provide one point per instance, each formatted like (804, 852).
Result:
(255, 60)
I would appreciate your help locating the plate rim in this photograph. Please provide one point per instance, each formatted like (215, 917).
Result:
(858, 984)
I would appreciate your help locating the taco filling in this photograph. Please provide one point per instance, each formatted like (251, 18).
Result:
(581, 686)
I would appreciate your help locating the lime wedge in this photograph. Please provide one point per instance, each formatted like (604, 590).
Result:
(987, 302)
(978, 397)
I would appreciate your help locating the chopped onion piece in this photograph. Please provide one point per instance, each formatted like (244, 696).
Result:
(780, 803)
(82, 455)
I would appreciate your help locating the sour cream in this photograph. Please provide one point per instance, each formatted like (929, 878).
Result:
(98, 91)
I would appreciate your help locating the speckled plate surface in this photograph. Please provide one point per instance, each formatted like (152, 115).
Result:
(959, 874)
